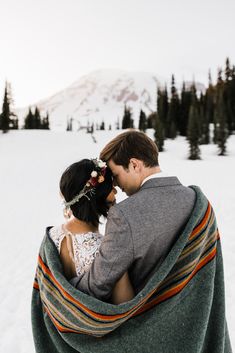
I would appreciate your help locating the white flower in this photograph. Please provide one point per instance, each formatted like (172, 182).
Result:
(101, 164)
(94, 174)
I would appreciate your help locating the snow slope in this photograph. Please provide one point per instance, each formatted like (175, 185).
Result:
(31, 163)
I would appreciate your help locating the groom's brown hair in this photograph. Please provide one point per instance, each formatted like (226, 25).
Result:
(131, 144)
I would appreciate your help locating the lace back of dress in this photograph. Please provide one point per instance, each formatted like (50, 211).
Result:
(82, 247)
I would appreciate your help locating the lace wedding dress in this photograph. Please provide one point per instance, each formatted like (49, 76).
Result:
(85, 246)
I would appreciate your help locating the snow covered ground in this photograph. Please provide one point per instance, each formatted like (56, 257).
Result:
(31, 163)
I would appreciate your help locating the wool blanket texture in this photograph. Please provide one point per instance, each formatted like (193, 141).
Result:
(180, 310)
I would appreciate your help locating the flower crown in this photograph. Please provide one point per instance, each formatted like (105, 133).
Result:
(97, 177)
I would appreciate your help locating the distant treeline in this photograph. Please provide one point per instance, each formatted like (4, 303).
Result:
(35, 121)
(191, 113)
(186, 113)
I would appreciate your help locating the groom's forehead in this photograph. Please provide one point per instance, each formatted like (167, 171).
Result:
(111, 164)
(114, 167)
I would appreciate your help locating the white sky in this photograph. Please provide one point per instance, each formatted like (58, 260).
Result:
(45, 45)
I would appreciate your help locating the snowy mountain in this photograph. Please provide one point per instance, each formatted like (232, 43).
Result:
(101, 96)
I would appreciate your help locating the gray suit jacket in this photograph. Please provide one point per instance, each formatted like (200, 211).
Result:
(139, 233)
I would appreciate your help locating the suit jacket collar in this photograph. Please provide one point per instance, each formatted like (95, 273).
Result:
(161, 182)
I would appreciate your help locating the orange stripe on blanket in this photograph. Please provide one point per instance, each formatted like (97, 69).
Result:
(35, 285)
(58, 326)
(173, 291)
(203, 222)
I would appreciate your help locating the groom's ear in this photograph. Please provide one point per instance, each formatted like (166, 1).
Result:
(135, 165)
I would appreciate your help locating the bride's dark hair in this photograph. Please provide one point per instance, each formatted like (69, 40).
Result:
(72, 182)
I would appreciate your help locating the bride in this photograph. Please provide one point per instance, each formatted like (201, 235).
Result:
(87, 191)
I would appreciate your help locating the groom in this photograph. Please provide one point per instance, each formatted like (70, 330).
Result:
(140, 230)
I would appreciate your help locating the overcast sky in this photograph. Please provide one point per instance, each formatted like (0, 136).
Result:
(45, 45)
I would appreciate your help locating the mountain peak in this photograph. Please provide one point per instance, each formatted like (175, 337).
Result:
(101, 96)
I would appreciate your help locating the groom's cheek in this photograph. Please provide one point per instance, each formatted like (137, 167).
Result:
(115, 183)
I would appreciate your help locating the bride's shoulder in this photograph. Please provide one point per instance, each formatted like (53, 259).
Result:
(56, 232)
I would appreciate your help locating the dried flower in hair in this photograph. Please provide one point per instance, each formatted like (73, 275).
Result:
(101, 179)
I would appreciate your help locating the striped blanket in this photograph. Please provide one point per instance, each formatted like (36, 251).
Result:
(180, 310)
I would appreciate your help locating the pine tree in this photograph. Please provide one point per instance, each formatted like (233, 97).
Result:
(29, 120)
(209, 107)
(219, 77)
(47, 123)
(151, 120)
(204, 121)
(228, 92)
(102, 125)
(232, 97)
(219, 86)
(14, 122)
(37, 119)
(159, 133)
(6, 113)
(228, 71)
(185, 103)
(221, 132)
(194, 129)
(173, 112)
(127, 121)
(162, 106)
(142, 121)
